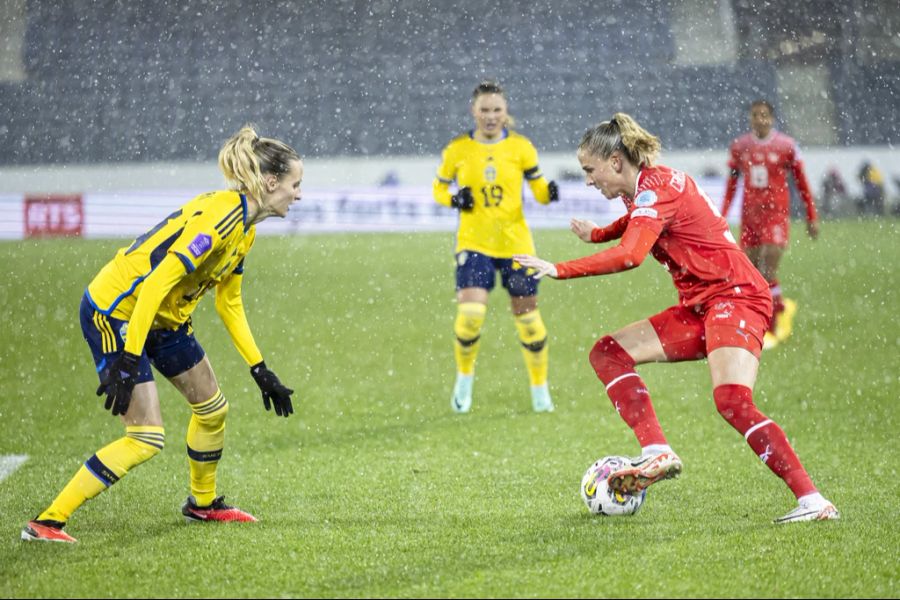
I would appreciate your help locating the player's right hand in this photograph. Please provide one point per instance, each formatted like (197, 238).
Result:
(582, 228)
(541, 267)
(463, 199)
(117, 381)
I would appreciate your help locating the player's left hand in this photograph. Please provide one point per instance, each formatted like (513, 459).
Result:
(812, 228)
(582, 228)
(542, 267)
(273, 391)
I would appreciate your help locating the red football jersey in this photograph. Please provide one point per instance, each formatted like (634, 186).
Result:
(692, 241)
(764, 164)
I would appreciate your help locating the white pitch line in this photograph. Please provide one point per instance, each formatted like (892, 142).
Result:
(9, 463)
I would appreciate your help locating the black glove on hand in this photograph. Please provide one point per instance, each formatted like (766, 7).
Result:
(463, 199)
(273, 391)
(117, 381)
(554, 191)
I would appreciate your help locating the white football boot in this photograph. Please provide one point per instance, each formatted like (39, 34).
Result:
(811, 508)
(540, 399)
(461, 401)
(644, 472)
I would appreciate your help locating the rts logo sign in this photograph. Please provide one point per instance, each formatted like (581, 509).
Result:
(50, 216)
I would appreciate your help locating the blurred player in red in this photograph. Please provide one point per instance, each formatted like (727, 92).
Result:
(723, 311)
(764, 156)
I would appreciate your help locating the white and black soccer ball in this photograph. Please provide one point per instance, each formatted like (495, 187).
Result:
(597, 495)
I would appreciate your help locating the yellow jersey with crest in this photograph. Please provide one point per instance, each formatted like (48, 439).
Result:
(496, 225)
(210, 235)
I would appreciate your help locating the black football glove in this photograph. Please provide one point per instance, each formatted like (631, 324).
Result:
(117, 381)
(273, 391)
(463, 199)
(554, 191)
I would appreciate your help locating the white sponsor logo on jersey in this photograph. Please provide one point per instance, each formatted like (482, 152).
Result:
(677, 181)
(645, 198)
(645, 212)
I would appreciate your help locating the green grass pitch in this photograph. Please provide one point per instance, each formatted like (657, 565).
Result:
(375, 488)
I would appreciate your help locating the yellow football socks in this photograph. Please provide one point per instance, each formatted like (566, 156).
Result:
(205, 440)
(107, 466)
(469, 320)
(533, 335)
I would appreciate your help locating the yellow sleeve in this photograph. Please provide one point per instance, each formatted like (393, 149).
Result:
(446, 173)
(533, 175)
(154, 289)
(230, 307)
(540, 187)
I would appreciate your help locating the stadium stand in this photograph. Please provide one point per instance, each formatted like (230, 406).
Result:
(113, 81)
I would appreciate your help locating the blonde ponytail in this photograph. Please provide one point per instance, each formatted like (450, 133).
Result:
(642, 145)
(622, 133)
(246, 157)
(239, 164)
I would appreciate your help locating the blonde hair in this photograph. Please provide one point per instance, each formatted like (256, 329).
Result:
(622, 133)
(489, 86)
(246, 157)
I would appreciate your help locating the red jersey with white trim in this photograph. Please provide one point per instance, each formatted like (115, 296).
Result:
(764, 164)
(693, 241)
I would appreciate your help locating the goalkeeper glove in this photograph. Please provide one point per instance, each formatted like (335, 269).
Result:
(273, 391)
(463, 199)
(117, 381)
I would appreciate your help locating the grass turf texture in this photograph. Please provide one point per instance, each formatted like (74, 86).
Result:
(375, 488)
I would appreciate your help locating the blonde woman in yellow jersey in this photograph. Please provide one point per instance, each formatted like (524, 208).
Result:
(488, 165)
(137, 313)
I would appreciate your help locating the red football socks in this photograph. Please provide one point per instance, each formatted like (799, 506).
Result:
(735, 404)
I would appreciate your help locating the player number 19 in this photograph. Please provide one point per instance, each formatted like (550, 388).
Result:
(493, 195)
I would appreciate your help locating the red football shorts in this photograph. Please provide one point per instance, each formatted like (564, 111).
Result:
(769, 232)
(692, 333)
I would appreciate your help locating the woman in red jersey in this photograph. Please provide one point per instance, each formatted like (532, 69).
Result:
(723, 310)
(764, 156)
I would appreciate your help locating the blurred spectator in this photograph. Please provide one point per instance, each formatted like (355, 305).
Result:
(872, 199)
(895, 205)
(834, 192)
(390, 179)
(570, 175)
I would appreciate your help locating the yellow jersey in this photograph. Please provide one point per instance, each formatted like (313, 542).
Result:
(200, 246)
(494, 171)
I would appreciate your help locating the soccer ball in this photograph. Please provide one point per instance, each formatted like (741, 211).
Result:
(601, 500)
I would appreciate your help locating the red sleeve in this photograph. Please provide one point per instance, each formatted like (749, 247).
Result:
(730, 189)
(636, 243)
(803, 188)
(613, 231)
(731, 186)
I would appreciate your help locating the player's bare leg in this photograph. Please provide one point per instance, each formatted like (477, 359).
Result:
(733, 371)
(767, 258)
(533, 337)
(614, 358)
(471, 310)
(144, 438)
(205, 443)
